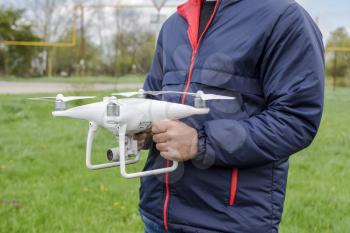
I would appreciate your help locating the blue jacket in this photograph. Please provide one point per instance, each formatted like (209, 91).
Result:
(269, 55)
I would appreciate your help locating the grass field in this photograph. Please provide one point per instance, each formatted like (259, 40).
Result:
(45, 186)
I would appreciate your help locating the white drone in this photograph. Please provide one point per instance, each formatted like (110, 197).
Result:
(125, 118)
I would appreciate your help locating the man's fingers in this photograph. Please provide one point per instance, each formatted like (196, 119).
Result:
(160, 138)
(161, 126)
(167, 155)
(162, 147)
(171, 155)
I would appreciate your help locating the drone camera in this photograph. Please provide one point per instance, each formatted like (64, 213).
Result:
(113, 154)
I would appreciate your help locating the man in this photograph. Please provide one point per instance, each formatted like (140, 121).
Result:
(269, 55)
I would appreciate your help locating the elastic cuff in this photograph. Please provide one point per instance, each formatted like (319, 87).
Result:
(202, 144)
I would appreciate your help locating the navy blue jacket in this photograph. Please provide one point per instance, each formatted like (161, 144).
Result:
(269, 55)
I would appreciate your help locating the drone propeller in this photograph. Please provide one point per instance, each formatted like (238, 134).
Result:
(62, 98)
(199, 94)
(204, 96)
(50, 99)
(129, 94)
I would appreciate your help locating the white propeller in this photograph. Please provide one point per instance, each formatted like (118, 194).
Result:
(63, 98)
(199, 94)
(204, 96)
(128, 94)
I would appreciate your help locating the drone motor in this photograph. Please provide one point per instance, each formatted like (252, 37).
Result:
(60, 105)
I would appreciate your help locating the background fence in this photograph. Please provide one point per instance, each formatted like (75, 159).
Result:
(78, 38)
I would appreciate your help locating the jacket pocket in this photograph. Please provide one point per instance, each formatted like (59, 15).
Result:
(246, 90)
(173, 81)
(227, 81)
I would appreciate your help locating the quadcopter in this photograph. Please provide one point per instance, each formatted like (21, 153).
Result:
(126, 117)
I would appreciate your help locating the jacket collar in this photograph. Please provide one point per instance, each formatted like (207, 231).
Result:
(190, 11)
(191, 6)
(228, 2)
(223, 2)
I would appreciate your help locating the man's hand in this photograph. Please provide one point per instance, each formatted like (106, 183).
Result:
(175, 140)
(143, 139)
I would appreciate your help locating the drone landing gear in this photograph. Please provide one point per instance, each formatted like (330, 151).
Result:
(123, 162)
(92, 130)
(121, 158)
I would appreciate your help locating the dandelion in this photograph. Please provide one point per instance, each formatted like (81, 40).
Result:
(103, 188)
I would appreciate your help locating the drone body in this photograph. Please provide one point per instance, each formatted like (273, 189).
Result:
(138, 114)
(126, 117)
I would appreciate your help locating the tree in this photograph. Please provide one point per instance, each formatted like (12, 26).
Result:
(51, 19)
(67, 60)
(133, 44)
(338, 64)
(16, 60)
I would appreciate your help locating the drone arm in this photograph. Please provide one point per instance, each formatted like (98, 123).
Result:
(90, 139)
(123, 171)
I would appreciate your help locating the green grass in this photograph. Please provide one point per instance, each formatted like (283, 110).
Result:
(45, 186)
(133, 78)
(319, 178)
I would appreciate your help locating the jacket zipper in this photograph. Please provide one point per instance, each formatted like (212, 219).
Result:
(167, 196)
(233, 190)
(195, 52)
(183, 100)
(189, 77)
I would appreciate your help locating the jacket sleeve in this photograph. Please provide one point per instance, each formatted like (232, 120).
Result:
(292, 78)
(154, 78)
